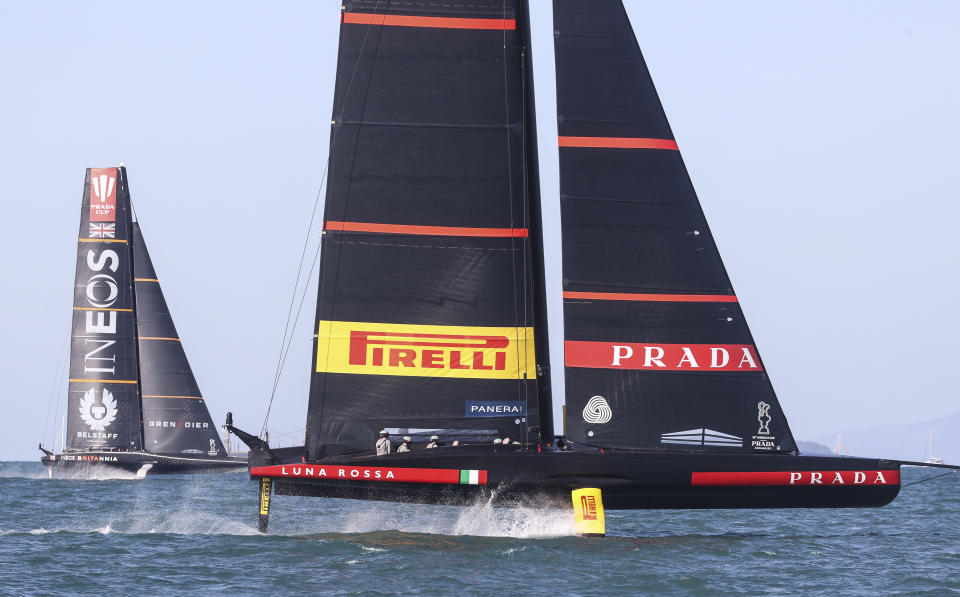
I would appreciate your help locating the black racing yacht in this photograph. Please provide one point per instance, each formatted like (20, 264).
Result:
(132, 402)
(431, 307)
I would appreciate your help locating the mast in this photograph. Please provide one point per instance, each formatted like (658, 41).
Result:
(532, 175)
(133, 290)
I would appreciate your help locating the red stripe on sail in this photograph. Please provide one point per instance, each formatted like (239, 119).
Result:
(425, 230)
(661, 357)
(667, 298)
(797, 478)
(618, 143)
(363, 473)
(358, 18)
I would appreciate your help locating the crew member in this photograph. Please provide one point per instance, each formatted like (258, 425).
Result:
(497, 441)
(383, 444)
(405, 446)
(434, 442)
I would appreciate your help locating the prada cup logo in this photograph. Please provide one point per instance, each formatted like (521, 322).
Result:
(103, 195)
(597, 411)
(98, 414)
(763, 416)
(103, 187)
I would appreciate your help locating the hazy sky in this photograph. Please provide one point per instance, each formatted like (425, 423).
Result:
(822, 138)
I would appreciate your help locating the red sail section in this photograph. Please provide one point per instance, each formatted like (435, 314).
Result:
(656, 342)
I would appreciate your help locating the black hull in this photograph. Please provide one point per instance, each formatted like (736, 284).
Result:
(93, 463)
(628, 480)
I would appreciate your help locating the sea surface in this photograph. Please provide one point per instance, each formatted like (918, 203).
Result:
(196, 535)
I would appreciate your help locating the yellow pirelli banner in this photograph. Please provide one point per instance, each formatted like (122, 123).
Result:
(425, 350)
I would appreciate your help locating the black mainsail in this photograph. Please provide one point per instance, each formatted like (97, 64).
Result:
(103, 404)
(175, 417)
(658, 354)
(425, 313)
(430, 307)
(133, 402)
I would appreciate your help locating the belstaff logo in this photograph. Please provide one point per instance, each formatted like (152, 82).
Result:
(103, 194)
(98, 414)
(425, 350)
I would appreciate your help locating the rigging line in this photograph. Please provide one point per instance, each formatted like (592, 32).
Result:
(293, 295)
(954, 472)
(346, 201)
(513, 241)
(57, 376)
(529, 295)
(281, 359)
(286, 352)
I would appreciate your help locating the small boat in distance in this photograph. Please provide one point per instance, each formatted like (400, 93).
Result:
(132, 402)
(931, 459)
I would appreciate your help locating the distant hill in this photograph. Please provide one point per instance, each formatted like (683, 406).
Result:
(904, 441)
(813, 448)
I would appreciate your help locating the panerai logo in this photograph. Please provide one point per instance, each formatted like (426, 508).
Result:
(425, 350)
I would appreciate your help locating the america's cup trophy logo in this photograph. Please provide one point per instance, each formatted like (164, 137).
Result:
(98, 414)
(763, 416)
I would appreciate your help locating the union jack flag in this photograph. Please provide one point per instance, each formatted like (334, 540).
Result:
(102, 230)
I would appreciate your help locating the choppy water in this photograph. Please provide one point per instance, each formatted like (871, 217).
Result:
(176, 535)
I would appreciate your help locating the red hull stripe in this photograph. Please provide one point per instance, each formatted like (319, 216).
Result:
(358, 18)
(425, 230)
(364, 473)
(618, 143)
(661, 357)
(666, 298)
(797, 478)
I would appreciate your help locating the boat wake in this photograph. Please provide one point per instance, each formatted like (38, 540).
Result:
(35, 470)
(480, 519)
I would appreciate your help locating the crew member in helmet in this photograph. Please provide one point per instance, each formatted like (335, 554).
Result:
(383, 443)
(434, 442)
(405, 446)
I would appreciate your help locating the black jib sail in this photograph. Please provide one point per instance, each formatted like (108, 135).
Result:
(425, 310)
(175, 417)
(658, 354)
(103, 397)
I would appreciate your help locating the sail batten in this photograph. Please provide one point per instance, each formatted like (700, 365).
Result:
(656, 343)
